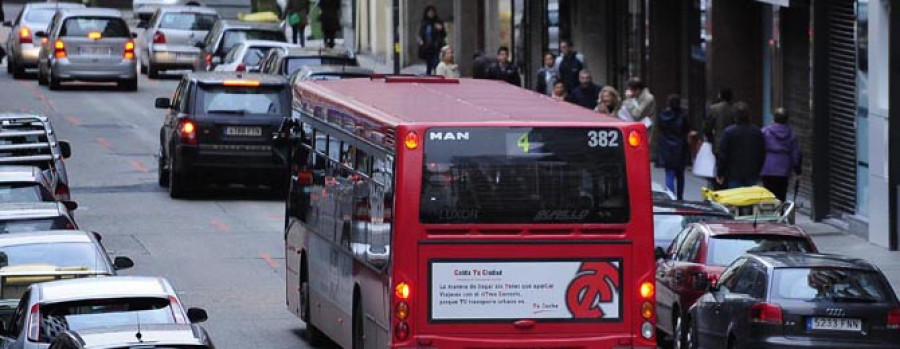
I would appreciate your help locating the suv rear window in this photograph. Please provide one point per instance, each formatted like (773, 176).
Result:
(85, 314)
(234, 37)
(830, 284)
(187, 21)
(29, 225)
(42, 15)
(108, 27)
(724, 249)
(524, 175)
(21, 193)
(242, 100)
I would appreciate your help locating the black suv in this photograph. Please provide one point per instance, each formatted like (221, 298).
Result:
(28, 139)
(287, 62)
(225, 34)
(219, 126)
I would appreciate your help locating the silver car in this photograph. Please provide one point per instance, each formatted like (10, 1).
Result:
(92, 44)
(49, 309)
(22, 46)
(170, 38)
(143, 9)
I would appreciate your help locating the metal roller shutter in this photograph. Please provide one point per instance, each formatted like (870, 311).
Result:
(795, 22)
(842, 55)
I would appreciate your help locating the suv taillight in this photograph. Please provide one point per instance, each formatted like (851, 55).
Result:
(241, 67)
(129, 50)
(25, 35)
(893, 319)
(159, 38)
(62, 192)
(177, 310)
(766, 313)
(59, 49)
(34, 324)
(188, 131)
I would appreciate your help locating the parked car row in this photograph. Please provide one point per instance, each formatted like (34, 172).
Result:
(59, 286)
(725, 283)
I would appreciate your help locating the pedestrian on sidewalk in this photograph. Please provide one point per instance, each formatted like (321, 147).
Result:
(609, 102)
(447, 68)
(587, 91)
(503, 69)
(296, 14)
(547, 75)
(673, 144)
(721, 115)
(742, 152)
(782, 155)
(559, 92)
(330, 17)
(641, 106)
(569, 64)
(432, 37)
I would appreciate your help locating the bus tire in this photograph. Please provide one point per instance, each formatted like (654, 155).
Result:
(359, 323)
(313, 336)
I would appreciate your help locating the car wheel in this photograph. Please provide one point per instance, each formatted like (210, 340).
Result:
(128, 85)
(18, 71)
(52, 81)
(9, 69)
(359, 326)
(162, 173)
(177, 181)
(152, 72)
(41, 79)
(313, 335)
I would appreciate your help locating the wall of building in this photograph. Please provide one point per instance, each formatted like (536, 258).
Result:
(735, 52)
(589, 33)
(878, 88)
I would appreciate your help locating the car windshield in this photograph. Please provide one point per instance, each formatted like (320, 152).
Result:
(524, 175)
(108, 27)
(828, 284)
(39, 224)
(187, 21)
(254, 55)
(40, 16)
(241, 100)
(94, 313)
(724, 249)
(20, 193)
(667, 226)
(61, 255)
(296, 63)
(234, 37)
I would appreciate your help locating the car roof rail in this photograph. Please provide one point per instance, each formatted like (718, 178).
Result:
(26, 139)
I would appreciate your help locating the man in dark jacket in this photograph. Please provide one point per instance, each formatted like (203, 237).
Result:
(587, 92)
(672, 150)
(569, 64)
(721, 115)
(503, 69)
(742, 151)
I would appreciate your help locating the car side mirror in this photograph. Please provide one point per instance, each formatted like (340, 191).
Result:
(123, 263)
(163, 103)
(659, 253)
(143, 25)
(66, 149)
(134, 35)
(196, 315)
(7, 24)
(201, 45)
(41, 34)
(70, 205)
(702, 282)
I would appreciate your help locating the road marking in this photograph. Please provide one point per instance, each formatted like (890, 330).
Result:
(269, 260)
(103, 142)
(220, 225)
(74, 121)
(39, 95)
(138, 166)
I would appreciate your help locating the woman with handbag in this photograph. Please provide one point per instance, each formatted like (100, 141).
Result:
(296, 14)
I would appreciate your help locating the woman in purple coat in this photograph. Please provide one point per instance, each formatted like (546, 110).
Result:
(782, 155)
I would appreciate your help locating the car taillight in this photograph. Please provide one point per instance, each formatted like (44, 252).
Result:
(766, 313)
(129, 50)
(62, 192)
(177, 310)
(59, 49)
(241, 67)
(304, 177)
(188, 131)
(208, 59)
(34, 324)
(893, 319)
(25, 35)
(159, 38)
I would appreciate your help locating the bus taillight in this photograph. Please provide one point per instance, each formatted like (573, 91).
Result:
(647, 292)
(402, 290)
(634, 139)
(411, 140)
(402, 310)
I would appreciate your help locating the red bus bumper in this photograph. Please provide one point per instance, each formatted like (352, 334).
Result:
(529, 341)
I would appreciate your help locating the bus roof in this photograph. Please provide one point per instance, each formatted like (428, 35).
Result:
(397, 101)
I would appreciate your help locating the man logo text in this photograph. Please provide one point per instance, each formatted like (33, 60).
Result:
(448, 136)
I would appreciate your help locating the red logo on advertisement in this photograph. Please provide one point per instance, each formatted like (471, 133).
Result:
(590, 288)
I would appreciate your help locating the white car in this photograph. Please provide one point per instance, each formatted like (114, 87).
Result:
(246, 55)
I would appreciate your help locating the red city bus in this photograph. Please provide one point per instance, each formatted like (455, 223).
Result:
(440, 213)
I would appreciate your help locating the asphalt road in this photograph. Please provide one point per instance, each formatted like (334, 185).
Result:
(222, 251)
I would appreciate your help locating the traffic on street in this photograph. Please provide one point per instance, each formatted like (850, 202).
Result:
(197, 175)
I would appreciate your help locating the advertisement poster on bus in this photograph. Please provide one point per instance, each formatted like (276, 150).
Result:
(566, 290)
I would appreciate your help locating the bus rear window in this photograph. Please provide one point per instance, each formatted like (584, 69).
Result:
(523, 175)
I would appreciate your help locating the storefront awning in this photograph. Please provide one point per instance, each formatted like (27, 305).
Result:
(784, 3)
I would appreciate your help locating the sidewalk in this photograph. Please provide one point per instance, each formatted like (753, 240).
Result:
(829, 239)
(370, 61)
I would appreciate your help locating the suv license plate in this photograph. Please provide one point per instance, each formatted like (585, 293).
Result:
(95, 51)
(834, 324)
(243, 131)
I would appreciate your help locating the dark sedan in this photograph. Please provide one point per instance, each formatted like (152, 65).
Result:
(792, 300)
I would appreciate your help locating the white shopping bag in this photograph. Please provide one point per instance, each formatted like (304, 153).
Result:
(705, 162)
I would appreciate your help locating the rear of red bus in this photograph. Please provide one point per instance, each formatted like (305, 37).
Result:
(535, 236)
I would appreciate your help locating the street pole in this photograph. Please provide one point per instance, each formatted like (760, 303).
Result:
(396, 18)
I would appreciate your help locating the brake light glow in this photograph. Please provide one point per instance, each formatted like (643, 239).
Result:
(647, 310)
(159, 38)
(402, 310)
(766, 313)
(241, 83)
(893, 319)
(647, 290)
(94, 35)
(59, 49)
(402, 290)
(25, 35)
(188, 132)
(634, 139)
(129, 50)
(411, 140)
(34, 323)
